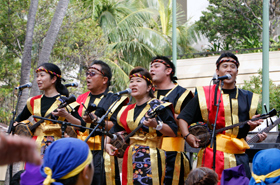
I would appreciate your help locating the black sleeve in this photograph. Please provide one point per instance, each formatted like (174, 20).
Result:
(116, 128)
(24, 115)
(191, 112)
(76, 115)
(167, 117)
(243, 131)
(187, 100)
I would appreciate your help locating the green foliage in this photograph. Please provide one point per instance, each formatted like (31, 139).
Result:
(255, 85)
(225, 25)
(122, 33)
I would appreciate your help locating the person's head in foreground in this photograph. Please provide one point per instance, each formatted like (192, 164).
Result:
(67, 161)
(202, 176)
(266, 167)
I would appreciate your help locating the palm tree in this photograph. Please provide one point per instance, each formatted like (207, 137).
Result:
(138, 30)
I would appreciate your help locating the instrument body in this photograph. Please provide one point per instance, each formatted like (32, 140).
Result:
(122, 137)
(23, 129)
(120, 143)
(202, 132)
(26, 128)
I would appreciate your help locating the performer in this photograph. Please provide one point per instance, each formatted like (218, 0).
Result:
(144, 161)
(49, 81)
(98, 81)
(162, 71)
(236, 105)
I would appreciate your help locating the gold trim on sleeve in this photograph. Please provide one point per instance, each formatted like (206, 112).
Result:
(180, 101)
(254, 105)
(202, 103)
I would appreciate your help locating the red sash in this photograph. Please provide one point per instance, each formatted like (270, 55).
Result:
(81, 99)
(212, 108)
(32, 103)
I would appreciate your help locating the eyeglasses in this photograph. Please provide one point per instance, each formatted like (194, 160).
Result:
(91, 74)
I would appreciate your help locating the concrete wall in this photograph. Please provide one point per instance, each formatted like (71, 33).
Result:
(199, 71)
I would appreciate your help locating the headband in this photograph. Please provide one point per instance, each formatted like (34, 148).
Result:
(259, 178)
(164, 63)
(228, 60)
(141, 76)
(78, 169)
(50, 72)
(97, 70)
(161, 61)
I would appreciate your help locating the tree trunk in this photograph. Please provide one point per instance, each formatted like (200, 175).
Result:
(51, 37)
(26, 58)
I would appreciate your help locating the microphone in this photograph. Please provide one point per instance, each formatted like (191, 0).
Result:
(28, 85)
(227, 76)
(127, 91)
(74, 84)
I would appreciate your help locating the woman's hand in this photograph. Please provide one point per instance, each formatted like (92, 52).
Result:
(150, 122)
(61, 113)
(110, 149)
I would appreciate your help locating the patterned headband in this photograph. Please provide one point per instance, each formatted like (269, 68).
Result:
(97, 70)
(50, 72)
(141, 76)
(161, 61)
(164, 63)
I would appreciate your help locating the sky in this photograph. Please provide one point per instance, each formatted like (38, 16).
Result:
(194, 9)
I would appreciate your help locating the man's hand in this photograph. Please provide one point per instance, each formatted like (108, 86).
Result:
(16, 148)
(88, 119)
(193, 141)
(262, 136)
(254, 124)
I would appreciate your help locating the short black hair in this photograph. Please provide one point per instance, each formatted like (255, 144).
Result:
(227, 54)
(105, 68)
(168, 61)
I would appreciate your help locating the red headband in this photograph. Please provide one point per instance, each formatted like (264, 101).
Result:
(97, 70)
(161, 61)
(228, 60)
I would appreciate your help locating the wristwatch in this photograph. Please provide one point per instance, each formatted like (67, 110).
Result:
(159, 125)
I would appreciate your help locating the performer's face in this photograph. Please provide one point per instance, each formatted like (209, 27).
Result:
(159, 72)
(139, 87)
(228, 68)
(94, 78)
(44, 80)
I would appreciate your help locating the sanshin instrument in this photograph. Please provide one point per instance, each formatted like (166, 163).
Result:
(202, 132)
(26, 128)
(122, 137)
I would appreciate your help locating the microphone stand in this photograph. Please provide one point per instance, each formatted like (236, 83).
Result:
(100, 122)
(64, 124)
(213, 137)
(11, 129)
(11, 126)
